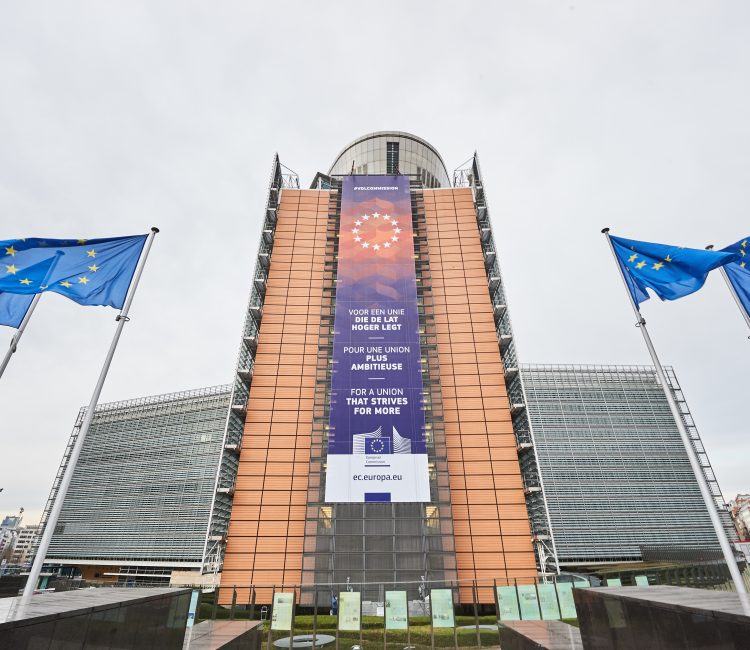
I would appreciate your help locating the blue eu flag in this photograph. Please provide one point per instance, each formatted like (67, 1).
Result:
(671, 272)
(739, 273)
(90, 272)
(13, 308)
(377, 446)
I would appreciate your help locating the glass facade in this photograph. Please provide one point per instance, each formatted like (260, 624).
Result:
(662, 617)
(615, 473)
(393, 152)
(97, 618)
(145, 486)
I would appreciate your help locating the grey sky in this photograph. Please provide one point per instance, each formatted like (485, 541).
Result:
(118, 116)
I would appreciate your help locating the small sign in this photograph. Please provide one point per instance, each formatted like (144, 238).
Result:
(567, 603)
(396, 610)
(349, 611)
(548, 602)
(193, 607)
(441, 604)
(507, 600)
(529, 603)
(281, 616)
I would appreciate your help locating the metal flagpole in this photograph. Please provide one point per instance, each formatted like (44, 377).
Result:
(27, 317)
(19, 333)
(49, 527)
(694, 463)
(732, 290)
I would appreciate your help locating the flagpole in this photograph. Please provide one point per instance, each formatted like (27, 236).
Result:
(692, 456)
(19, 333)
(49, 527)
(732, 290)
(27, 317)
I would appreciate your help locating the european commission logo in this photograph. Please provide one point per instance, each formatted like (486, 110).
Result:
(375, 442)
(378, 446)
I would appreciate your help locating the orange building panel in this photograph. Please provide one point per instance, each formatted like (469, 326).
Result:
(492, 534)
(265, 537)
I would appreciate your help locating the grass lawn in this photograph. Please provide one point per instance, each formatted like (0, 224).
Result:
(372, 631)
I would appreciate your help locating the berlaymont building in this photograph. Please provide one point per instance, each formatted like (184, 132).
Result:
(380, 428)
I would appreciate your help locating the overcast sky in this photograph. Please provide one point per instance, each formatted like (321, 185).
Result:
(118, 116)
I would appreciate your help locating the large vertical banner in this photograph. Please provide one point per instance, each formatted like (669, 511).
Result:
(376, 444)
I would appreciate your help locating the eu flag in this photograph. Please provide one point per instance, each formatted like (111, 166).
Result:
(377, 446)
(671, 272)
(739, 273)
(13, 307)
(88, 271)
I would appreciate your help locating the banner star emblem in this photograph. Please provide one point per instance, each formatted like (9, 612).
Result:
(93, 268)
(83, 280)
(66, 284)
(9, 250)
(25, 281)
(370, 237)
(640, 264)
(91, 253)
(11, 268)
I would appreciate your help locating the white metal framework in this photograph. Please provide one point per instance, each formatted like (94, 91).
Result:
(469, 175)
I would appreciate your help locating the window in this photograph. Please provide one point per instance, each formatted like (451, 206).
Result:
(391, 158)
